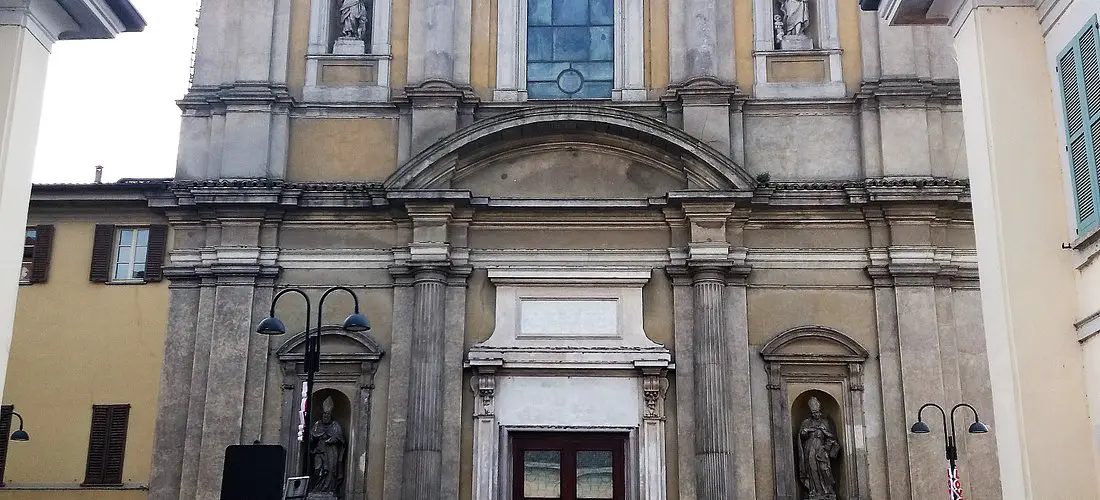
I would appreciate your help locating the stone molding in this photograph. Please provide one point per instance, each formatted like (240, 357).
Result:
(709, 170)
(207, 100)
(52, 20)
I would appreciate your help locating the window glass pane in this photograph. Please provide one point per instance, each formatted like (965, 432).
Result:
(540, 44)
(142, 237)
(123, 256)
(571, 44)
(538, 12)
(28, 244)
(139, 257)
(125, 237)
(541, 474)
(570, 12)
(139, 271)
(594, 475)
(599, 47)
(122, 271)
(601, 12)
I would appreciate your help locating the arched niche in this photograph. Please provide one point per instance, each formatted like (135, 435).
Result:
(349, 361)
(817, 360)
(699, 165)
(800, 411)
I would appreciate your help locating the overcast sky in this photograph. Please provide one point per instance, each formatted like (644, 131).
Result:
(112, 102)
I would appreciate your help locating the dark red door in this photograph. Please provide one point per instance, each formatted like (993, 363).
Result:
(568, 466)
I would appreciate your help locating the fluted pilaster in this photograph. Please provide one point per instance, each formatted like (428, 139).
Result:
(714, 472)
(424, 434)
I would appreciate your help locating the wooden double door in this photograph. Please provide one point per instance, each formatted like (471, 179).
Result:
(568, 466)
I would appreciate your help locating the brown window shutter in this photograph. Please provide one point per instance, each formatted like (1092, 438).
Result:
(40, 262)
(102, 248)
(154, 258)
(97, 445)
(5, 431)
(116, 444)
(107, 444)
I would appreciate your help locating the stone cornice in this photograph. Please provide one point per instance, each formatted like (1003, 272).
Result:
(212, 99)
(910, 91)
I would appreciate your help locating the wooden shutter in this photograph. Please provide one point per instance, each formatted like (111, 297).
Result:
(154, 256)
(40, 262)
(1079, 72)
(107, 445)
(5, 432)
(102, 252)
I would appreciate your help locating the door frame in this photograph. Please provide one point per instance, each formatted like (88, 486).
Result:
(630, 453)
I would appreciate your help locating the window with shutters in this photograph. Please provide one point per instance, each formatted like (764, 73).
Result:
(107, 445)
(128, 254)
(37, 243)
(5, 431)
(1079, 73)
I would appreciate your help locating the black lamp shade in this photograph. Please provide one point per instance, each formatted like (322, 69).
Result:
(20, 435)
(978, 428)
(920, 428)
(271, 326)
(357, 323)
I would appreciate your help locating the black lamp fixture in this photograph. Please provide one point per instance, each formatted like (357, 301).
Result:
(271, 325)
(950, 448)
(20, 435)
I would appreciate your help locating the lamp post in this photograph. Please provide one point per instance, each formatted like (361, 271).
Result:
(271, 325)
(950, 448)
(20, 435)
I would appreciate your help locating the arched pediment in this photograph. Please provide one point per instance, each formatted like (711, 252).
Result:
(813, 343)
(336, 343)
(648, 152)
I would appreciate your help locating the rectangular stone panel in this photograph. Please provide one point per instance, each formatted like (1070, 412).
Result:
(555, 317)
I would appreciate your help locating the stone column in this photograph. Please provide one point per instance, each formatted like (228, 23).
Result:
(714, 473)
(424, 428)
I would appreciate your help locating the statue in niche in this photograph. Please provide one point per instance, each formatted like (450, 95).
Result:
(354, 19)
(793, 33)
(327, 440)
(817, 447)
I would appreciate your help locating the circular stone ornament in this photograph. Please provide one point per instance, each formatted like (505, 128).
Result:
(570, 81)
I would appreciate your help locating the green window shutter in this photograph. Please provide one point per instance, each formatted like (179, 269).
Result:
(1079, 72)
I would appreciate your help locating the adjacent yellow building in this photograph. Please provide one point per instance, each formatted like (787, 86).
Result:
(85, 348)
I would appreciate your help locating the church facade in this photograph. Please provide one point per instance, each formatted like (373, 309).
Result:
(616, 249)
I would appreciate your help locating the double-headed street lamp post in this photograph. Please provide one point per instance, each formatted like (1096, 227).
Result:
(271, 325)
(950, 448)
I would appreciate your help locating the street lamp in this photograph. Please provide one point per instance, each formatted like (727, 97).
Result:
(20, 435)
(271, 325)
(951, 450)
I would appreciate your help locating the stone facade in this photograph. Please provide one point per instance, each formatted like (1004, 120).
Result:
(681, 265)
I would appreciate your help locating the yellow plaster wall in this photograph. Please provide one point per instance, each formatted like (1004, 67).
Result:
(742, 41)
(399, 44)
(483, 60)
(342, 149)
(851, 59)
(299, 44)
(78, 343)
(656, 47)
(775, 310)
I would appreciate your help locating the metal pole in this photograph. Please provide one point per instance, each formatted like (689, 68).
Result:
(313, 365)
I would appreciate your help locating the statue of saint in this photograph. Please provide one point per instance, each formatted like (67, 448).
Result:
(328, 452)
(796, 17)
(817, 447)
(354, 19)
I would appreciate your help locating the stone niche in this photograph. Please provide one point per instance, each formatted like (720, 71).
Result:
(818, 362)
(349, 361)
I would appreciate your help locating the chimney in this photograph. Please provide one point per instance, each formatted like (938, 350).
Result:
(99, 174)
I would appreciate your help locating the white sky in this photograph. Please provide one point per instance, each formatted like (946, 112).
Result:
(112, 102)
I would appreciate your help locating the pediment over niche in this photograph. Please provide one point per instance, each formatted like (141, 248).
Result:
(571, 151)
(813, 344)
(337, 345)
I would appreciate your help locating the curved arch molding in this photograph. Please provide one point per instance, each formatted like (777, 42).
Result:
(704, 167)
